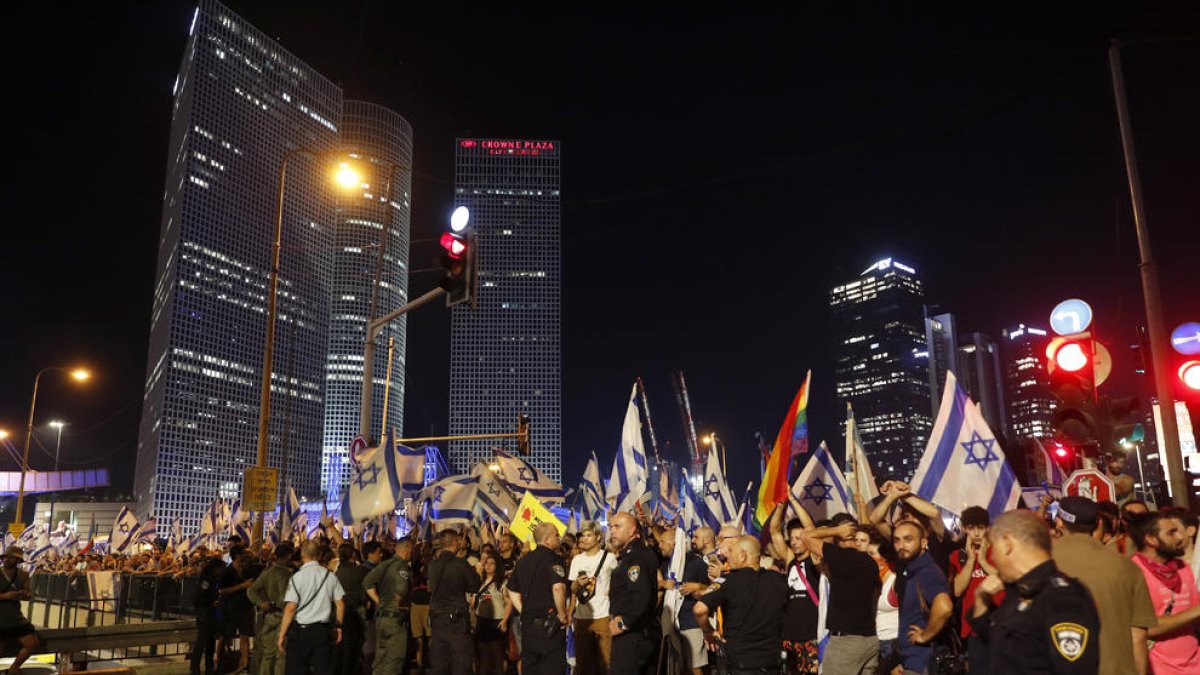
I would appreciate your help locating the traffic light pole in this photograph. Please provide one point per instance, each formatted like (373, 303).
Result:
(374, 327)
(1150, 293)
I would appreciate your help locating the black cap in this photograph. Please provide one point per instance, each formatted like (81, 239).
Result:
(1078, 511)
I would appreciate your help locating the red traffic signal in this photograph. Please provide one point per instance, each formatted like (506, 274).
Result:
(1060, 451)
(455, 246)
(1071, 357)
(1189, 375)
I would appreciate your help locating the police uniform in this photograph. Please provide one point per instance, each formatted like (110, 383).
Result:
(392, 580)
(543, 636)
(1046, 624)
(349, 651)
(632, 595)
(204, 604)
(314, 590)
(450, 646)
(269, 587)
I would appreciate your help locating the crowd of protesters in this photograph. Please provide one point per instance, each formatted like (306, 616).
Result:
(1074, 587)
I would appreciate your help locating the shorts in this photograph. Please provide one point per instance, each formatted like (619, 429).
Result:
(18, 631)
(695, 652)
(419, 620)
(238, 623)
(801, 657)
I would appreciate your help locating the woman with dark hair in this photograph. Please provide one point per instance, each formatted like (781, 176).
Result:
(488, 606)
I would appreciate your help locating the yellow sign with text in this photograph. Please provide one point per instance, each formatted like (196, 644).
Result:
(260, 488)
(530, 514)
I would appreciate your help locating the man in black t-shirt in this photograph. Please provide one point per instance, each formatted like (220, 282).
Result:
(803, 577)
(853, 596)
(538, 588)
(752, 601)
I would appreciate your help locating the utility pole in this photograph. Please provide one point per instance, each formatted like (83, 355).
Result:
(1150, 292)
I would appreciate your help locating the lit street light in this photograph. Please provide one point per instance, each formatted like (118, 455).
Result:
(77, 374)
(57, 424)
(711, 439)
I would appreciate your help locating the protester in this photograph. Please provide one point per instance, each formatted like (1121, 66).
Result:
(853, 596)
(419, 628)
(911, 507)
(799, 631)
(753, 601)
(389, 586)
(631, 598)
(969, 566)
(926, 605)
(237, 614)
(1116, 585)
(268, 593)
(691, 586)
(313, 602)
(1161, 541)
(488, 605)
(450, 579)
(1048, 623)
(350, 574)
(538, 589)
(590, 574)
(14, 587)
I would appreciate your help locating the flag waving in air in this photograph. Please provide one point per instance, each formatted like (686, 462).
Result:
(375, 486)
(856, 456)
(821, 488)
(124, 532)
(963, 464)
(630, 468)
(791, 443)
(719, 507)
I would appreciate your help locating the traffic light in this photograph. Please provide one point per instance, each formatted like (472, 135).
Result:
(1189, 375)
(1070, 362)
(1061, 452)
(523, 433)
(460, 259)
(1113, 432)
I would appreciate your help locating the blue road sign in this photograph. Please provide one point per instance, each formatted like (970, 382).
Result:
(1070, 317)
(1186, 338)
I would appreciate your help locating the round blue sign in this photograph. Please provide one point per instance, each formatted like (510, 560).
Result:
(1186, 338)
(1070, 317)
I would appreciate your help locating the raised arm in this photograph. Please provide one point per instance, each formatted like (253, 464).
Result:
(779, 547)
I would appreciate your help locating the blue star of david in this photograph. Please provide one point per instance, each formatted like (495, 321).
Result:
(988, 455)
(437, 494)
(525, 474)
(363, 479)
(124, 528)
(493, 489)
(710, 487)
(825, 493)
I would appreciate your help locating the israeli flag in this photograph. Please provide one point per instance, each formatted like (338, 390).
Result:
(176, 535)
(214, 521)
(856, 456)
(451, 501)
(148, 531)
(963, 464)
(519, 476)
(630, 468)
(69, 544)
(493, 496)
(592, 490)
(719, 507)
(293, 520)
(821, 488)
(689, 512)
(28, 537)
(125, 531)
(375, 487)
(673, 598)
(1054, 473)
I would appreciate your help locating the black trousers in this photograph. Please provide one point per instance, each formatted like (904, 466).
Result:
(205, 644)
(451, 649)
(632, 654)
(348, 652)
(310, 649)
(543, 647)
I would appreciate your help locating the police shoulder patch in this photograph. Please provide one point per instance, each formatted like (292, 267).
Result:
(558, 569)
(634, 572)
(1060, 582)
(1070, 639)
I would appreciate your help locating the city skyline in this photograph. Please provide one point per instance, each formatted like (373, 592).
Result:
(692, 236)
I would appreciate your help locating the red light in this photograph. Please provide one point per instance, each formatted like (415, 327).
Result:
(455, 247)
(468, 144)
(1071, 357)
(1190, 374)
(1060, 452)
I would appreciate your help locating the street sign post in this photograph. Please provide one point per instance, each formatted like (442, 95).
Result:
(1092, 484)
(15, 528)
(1186, 338)
(1070, 317)
(259, 490)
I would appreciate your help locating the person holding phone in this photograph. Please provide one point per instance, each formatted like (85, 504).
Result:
(591, 571)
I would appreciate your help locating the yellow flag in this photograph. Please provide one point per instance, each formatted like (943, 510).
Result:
(530, 514)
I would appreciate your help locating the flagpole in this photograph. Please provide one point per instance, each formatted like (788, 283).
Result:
(649, 423)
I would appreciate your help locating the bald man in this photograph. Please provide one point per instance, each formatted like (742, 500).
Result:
(538, 588)
(632, 595)
(753, 602)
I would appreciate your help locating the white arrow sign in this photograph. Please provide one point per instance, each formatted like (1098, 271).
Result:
(1070, 317)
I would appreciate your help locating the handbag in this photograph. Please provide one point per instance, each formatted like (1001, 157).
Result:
(583, 595)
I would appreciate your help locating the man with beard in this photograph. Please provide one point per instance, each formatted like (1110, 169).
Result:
(1160, 539)
(926, 605)
(1115, 583)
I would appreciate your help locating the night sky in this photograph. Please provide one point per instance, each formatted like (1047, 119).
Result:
(721, 172)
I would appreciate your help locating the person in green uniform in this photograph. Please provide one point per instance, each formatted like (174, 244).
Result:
(389, 585)
(14, 587)
(267, 594)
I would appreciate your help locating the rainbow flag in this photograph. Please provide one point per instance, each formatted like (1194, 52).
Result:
(791, 442)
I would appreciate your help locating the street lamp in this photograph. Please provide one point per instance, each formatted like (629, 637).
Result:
(77, 374)
(57, 424)
(345, 176)
(711, 439)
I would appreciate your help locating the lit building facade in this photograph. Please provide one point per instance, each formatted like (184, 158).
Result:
(941, 348)
(1027, 383)
(980, 374)
(241, 104)
(882, 366)
(506, 354)
(382, 142)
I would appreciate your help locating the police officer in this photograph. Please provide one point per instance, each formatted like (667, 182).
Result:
(267, 593)
(389, 585)
(1047, 622)
(450, 579)
(632, 595)
(204, 603)
(538, 588)
(310, 601)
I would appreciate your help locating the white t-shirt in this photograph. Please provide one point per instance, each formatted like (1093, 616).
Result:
(887, 616)
(597, 607)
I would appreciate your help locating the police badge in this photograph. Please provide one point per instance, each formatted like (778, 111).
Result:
(1070, 639)
(634, 572)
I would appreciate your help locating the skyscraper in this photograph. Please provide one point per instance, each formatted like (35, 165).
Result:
(382, 142)
(882, 365)
(506, 353)
(980, 374)
(241, 104)
(941, 346)
(1027, 383)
